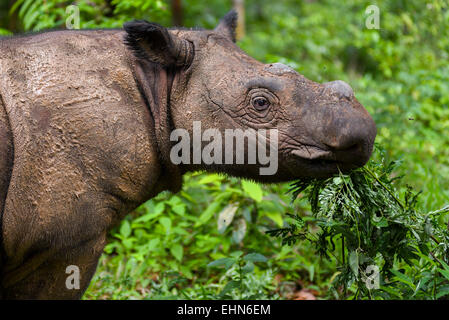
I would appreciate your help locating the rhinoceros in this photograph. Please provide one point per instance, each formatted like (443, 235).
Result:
(86, 118)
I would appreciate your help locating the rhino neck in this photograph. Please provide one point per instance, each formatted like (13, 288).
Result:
(155, 84)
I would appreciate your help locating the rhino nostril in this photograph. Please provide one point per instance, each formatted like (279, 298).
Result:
(351, 146)
(348, 151)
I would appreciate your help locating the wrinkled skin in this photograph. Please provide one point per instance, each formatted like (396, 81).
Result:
(85, 120)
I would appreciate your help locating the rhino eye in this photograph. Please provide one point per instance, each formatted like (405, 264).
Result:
(260, 103)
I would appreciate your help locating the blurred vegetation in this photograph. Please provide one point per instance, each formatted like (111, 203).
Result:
(400, 73)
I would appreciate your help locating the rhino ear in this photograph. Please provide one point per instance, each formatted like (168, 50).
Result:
(154, 42)
(228, 25)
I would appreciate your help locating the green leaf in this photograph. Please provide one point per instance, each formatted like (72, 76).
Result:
(15, 6)
(354, 262)
(276, 217)
(208, 213)
(128, 243)
(393, 291)
(210, 178)
(159, 208)
(311, 269)
(179, 209)
(152, 244)
(248, 267)
(30, 19)
(380, 222)
(253, 190)
(337, 180)
(181, 231)
(255, 257)
(445, 273)
(25, 7)
(445, 266)
(223, 262)
(177, 251)
(442, 291)
(236, 254)
(231, 285)
(153, 212)
(421, 283)
(4, 32)
(125, 229)
(174, 201)
(403, 278)
(166, 222)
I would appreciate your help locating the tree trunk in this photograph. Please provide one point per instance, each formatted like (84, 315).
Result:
(12, 19)
(176, 8)
(239, 6)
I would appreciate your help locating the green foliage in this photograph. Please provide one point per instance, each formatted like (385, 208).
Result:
(376, 227)
(183, 233)
(244, 266)
(37, 15)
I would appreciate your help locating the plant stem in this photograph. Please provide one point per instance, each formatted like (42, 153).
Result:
(434, 239)
(241, 280)
(384, 186)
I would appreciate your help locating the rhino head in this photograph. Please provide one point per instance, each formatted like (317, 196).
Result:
(321, 128)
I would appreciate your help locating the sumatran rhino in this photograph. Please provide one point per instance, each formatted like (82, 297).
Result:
(85, 125)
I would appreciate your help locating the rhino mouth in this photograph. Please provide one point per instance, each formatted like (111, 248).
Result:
(321, 162)
(309, 152)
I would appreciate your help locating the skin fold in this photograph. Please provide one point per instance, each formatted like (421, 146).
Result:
(85, 121)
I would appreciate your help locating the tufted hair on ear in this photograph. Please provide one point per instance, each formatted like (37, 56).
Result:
(153, 42)
(227, 25)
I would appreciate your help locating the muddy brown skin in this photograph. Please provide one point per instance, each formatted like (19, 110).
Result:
(85, 120)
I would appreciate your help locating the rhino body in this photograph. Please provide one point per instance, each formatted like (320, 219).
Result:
(85, 120)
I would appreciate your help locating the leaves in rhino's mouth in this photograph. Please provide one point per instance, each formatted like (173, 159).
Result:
(375, 219)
